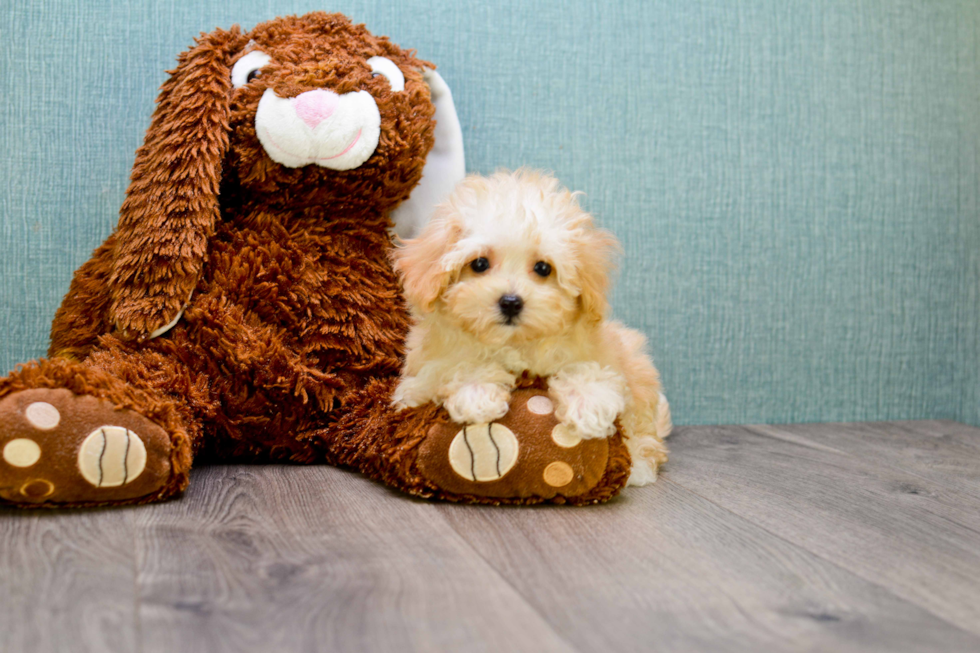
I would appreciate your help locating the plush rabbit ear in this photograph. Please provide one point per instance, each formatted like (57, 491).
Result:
(444, 167)
(171, 205)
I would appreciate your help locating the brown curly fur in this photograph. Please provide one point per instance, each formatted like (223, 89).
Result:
(295, 317)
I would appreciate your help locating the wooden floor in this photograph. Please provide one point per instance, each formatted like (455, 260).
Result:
(817, 537)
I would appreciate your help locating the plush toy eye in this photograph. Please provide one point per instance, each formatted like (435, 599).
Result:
(247, 68)
(387, 67)
(542, 269)
(480, 265)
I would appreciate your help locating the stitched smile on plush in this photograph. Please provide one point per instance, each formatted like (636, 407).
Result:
(333, 131)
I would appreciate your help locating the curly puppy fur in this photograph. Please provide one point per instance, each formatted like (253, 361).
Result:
(510, 277)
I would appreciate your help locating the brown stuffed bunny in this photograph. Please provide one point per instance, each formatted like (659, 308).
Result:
(245, 308)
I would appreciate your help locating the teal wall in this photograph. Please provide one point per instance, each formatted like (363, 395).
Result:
(795, 181)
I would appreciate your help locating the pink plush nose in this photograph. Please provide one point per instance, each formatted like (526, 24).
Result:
(315, 106)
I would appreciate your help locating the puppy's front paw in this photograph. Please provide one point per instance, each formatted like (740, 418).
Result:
(589, 399)
(478, 403)
(588, 416)
(409, 394)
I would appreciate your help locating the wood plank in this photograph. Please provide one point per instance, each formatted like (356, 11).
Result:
(950, 498)
(662, 569)
(850, 510)
(273, 558)
(942, 451)
(67, 581)
(811, 537)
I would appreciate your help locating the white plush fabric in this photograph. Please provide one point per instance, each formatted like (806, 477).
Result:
(251, 61)
(444, 168)
(387, 67)
(344, 140)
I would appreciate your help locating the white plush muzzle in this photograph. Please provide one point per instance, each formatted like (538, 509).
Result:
(333, 131)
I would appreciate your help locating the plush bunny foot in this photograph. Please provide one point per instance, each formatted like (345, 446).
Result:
(58, 448)
(525, 457)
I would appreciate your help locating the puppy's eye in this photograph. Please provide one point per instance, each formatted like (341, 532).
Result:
(247, 68)
(542, 269)
(480, 265)
(387, 67)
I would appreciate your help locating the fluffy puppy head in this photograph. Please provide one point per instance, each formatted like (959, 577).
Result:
(509, 258)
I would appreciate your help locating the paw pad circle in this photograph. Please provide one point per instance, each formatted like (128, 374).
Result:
(37, 489)
(21, 452)
(540, 405)
(42, 415)
(565, 437)
(111, 456)
(483, 452)
(558, 474)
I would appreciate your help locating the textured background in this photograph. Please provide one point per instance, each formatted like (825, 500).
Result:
(795, 182)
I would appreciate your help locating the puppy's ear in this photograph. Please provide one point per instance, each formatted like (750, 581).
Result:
(419, 262)
(595, 260)
(172, 205)
(445, 165)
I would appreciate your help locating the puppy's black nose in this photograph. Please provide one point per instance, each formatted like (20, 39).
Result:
(510, 306)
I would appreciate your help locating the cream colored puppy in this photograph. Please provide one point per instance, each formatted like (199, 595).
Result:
(511, 276)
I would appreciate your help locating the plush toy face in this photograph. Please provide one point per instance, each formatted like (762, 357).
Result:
(324, 111)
